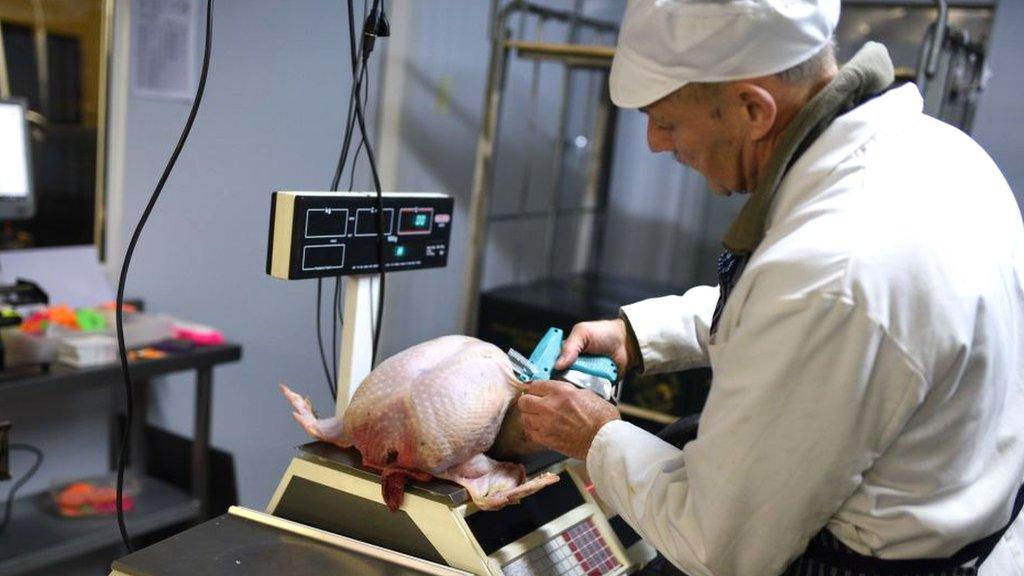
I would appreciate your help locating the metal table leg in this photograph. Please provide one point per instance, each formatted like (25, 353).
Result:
(201, 442)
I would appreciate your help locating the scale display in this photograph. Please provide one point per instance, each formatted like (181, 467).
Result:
(579, 551)
(323, 234)
(495, 530)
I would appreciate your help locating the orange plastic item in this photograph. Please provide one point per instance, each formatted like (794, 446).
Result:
(146, 354)
(88, 499)
(32, 326)
(112, 305)
(152, 354)
(64, 316)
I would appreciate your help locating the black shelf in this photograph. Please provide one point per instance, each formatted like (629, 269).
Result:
(61, 378)
(38, 537)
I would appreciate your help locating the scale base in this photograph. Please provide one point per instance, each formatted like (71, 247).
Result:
(328, 516)
(326, 488)
(253, 543)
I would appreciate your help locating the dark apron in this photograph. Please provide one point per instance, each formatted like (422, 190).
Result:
(825, 554)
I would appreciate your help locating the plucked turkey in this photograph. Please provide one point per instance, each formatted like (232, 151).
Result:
(433, 410)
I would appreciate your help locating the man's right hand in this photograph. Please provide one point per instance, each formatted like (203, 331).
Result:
(602, 337)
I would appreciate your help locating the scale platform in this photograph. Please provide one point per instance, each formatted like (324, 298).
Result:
(559, 530)
(450, 493)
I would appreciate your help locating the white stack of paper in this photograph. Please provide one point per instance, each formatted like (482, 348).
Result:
(87, 350)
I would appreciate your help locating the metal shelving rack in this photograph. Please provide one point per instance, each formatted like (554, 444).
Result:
(37, 537)
(40, 538)
(951, 75)
(572, 56)
(575, 269)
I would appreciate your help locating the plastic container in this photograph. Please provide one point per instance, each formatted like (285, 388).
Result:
(139, 329)
(21, 349)
(144, 329)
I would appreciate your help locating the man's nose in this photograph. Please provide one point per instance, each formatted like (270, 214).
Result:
(658, 139)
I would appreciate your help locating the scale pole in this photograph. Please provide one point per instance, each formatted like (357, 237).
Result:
(356, 359)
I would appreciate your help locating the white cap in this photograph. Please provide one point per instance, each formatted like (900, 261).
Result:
(665, 44)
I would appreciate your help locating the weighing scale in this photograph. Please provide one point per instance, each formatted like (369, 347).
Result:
(327, 515)
(558, 530)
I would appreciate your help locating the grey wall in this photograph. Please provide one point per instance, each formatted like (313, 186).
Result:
(660, 212)
(448, 64)
(440, 119)
(999, 124)
(270, 120)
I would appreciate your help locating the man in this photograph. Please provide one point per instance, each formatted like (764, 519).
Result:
(866, 414)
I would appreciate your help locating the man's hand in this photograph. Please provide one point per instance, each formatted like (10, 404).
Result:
(603, 337)
(563, 417)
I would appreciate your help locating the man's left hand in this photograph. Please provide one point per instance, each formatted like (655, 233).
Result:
(563, 417)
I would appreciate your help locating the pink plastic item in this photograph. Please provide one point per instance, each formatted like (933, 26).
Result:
(198, 334)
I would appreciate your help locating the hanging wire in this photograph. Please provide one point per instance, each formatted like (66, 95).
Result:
(123, 279)
(9, 505)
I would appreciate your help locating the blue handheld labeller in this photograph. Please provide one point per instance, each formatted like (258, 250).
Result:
(598, 374)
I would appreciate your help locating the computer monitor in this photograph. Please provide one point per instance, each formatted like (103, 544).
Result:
(17, 193)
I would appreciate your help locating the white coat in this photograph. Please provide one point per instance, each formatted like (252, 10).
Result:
(868, 367)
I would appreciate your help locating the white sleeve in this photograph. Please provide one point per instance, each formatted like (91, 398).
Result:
(806, 394)
(672, 331)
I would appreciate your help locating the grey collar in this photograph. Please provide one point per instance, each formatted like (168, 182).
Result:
(867, 74)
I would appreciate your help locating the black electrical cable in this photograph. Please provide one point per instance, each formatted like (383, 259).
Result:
(339, 311)
(357, 83)
(337, 321)
(355, 160)
(352, 176)
(358, 77)
(346, 140)
(320, 342)
(318, 313)
(123, 456)
(355, 107)
(380, 232)
(337, 318)
(369, 36)
(362, 141)
(334, 334)
(21, 481)
(366, 95)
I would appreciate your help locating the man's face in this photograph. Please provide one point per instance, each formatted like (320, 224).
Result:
(696, 130)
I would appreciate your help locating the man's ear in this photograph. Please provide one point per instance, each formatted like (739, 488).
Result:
(757, 108)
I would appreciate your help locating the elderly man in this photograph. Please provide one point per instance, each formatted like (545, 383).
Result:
(866, 414)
